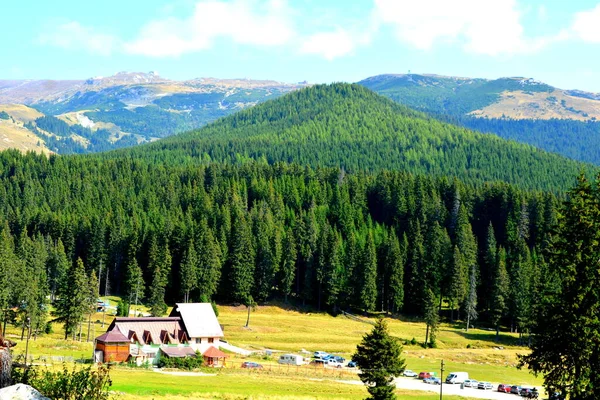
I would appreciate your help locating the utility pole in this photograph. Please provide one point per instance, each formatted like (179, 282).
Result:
(27, 343)
(441, 378)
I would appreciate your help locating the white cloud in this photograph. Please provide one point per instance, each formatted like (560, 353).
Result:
(329, 45)
(242, 21)
(586, 25)
(74, 36)
(484, 27)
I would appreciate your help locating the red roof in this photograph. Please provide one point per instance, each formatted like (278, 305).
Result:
(113, 336)
(213, 352)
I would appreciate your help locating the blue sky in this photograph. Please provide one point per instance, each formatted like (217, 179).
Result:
(555, 41)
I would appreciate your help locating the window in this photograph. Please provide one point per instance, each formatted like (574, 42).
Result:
(198, 340)
(211, 340)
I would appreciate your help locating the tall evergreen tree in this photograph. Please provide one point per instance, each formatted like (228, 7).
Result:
(189, 271)
(368, 292)
(395, 259)
(567, 331)
(471, 301)
(379, 357)
(71, 305)
(500, 291)
(288, 266)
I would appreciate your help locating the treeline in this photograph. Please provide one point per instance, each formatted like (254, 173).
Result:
(350, 127)
(579, 140)
(389, 241)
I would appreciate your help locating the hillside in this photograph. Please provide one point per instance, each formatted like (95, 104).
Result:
(525, 110)
(131, 108)
(14, 134)
(350, 127)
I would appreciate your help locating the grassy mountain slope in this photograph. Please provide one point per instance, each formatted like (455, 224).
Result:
(351, 127)
(519, 109)
(14, 134)
(130, 108)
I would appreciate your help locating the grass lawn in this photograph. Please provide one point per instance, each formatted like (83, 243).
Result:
(136, 384)
(279, 329)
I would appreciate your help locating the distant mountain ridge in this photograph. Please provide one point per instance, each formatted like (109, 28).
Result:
(521, 109)
(511, 97)
(131, 107)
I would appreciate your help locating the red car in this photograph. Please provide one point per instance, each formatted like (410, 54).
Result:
(424, 375)
(504, 388)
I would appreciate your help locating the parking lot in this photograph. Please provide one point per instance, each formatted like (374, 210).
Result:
(417, 384)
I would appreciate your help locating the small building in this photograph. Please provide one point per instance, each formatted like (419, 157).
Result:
(112, 346)
(214, 357)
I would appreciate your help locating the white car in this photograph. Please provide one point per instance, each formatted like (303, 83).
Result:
(333, 363)
(321, 354)
(410, 373)
(471, 383)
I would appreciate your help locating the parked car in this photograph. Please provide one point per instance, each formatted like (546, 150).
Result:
(340, 359)
(472, 383)
(529, 393)
(429, 380)
(333, 363)
(435, 381)
(351, 364)
(409, 373)
(514, 389)
(556, 396)
(485, 386)
(504, 388)
(251, 364)
(320, 354)
(424, 375)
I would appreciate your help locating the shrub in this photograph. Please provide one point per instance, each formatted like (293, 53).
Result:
(187, 363)
(84, 383)
(122, 309)
(48, 329)
(413, 341)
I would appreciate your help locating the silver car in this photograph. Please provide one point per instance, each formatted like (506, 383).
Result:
(485, 386)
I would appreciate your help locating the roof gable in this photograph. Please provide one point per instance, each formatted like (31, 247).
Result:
(199, 319)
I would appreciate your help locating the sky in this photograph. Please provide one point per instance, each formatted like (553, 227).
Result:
(554, 41)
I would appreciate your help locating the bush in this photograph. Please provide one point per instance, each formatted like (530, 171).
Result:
(468, 345)
(187, 363)
(67, 384)
(48, 329)
(122, 309)
(413, 341)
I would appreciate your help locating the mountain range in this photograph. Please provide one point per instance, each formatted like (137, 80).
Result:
(102, 113)
(126, 109)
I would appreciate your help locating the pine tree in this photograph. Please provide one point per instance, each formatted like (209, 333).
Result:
(432, 318)
(471, 302)
(499, 291)
(395, 263)
(457, 288)
(368, 292)
(209, 265)
(241, 261)
(189, 271)
(134, 282)
(71, 305)
(288, 267)
(567, 330)
(379, 357)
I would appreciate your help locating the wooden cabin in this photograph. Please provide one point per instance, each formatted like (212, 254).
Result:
(113, 346)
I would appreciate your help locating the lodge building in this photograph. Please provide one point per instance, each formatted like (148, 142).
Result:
(191, 328)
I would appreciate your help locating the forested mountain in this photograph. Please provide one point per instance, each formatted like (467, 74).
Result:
(350, 127)
(391, 240)
(130, 108)
(519, 109)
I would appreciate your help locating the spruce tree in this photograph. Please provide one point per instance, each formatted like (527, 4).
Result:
(241, 261)
(471, 301)
(209, 265)
(368, 291)
(566, 332)
(379, 358)
(288, 266)
(395, 264)
(500, 290)
(432, 318)
(188, 272)
(73, 295)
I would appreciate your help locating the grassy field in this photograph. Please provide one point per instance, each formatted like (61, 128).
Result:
(280, 329)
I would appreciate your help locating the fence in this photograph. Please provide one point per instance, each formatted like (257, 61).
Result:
(357, 318)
